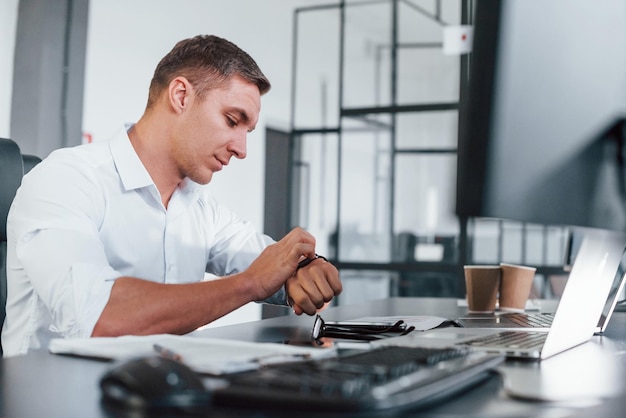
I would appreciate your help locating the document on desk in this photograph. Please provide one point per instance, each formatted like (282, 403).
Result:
(204, 355)
(421, 323)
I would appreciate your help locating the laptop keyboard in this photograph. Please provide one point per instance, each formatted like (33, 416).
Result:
(380, 379)
(510, 339)
(530, 321)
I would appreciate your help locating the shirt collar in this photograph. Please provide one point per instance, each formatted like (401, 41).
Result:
(131, 170)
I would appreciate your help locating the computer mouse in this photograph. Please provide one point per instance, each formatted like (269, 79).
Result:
(154, 381)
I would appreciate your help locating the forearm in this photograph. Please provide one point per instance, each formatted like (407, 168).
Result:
(140, 307)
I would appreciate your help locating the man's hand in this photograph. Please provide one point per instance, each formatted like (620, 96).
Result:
(279, 261)
(309, 288)
(313, 286)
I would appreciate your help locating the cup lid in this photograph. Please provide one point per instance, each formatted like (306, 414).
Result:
(518, 266)
(479, 266)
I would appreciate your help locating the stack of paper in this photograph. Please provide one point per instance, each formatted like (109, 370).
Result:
(204, 355)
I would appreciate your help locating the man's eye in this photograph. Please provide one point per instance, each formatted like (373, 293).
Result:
(231, 122)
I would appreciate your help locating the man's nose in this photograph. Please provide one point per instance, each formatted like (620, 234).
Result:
(238, 147)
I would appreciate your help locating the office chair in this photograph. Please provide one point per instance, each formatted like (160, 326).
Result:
(29, 162)
(12, 168)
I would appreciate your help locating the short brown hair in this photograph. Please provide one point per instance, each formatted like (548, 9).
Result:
(208, 62)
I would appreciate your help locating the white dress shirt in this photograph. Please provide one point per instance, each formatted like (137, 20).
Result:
(90, 214)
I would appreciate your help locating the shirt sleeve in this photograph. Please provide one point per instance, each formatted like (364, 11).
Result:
(54, 220)
(237, 244)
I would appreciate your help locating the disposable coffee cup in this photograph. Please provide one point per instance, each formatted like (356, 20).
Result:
(482, 284)
(515, 286)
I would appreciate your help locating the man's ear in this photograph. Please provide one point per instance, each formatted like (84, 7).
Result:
(179, 93)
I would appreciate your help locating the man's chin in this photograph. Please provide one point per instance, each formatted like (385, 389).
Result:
(205, 179)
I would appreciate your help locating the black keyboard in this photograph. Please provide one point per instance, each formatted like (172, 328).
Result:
(385, 378)
(532, 320)
(510, 339)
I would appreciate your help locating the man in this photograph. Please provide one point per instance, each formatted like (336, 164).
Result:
(114, 238)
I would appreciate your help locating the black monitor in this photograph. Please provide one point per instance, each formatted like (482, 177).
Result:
(541, 136)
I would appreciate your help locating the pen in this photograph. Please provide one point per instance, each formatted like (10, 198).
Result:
(240, 365)
(279, 358)
(167, 353)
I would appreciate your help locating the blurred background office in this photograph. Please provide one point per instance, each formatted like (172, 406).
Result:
(356, 142)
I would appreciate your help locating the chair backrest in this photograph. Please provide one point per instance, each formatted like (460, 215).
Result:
(11, 172)
(12, 169)
(29, 162)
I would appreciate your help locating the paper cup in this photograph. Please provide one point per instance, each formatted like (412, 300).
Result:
(515, 286)
(482, 283)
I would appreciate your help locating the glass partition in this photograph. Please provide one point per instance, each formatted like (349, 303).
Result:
(375, 127)
(316, 58)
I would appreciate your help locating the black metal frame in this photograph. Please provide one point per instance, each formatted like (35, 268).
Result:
(464, 240)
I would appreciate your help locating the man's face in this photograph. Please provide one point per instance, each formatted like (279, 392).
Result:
(215, 129)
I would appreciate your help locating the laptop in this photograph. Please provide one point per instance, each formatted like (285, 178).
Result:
(543, 321)
(575, 320)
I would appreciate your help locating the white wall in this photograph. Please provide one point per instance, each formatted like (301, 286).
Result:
(8, 26)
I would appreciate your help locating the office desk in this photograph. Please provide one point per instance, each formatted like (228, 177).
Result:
(44, 385)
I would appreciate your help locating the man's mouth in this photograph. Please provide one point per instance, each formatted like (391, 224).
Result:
(222, 164)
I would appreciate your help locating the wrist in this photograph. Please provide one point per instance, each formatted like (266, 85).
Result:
(308, 261)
